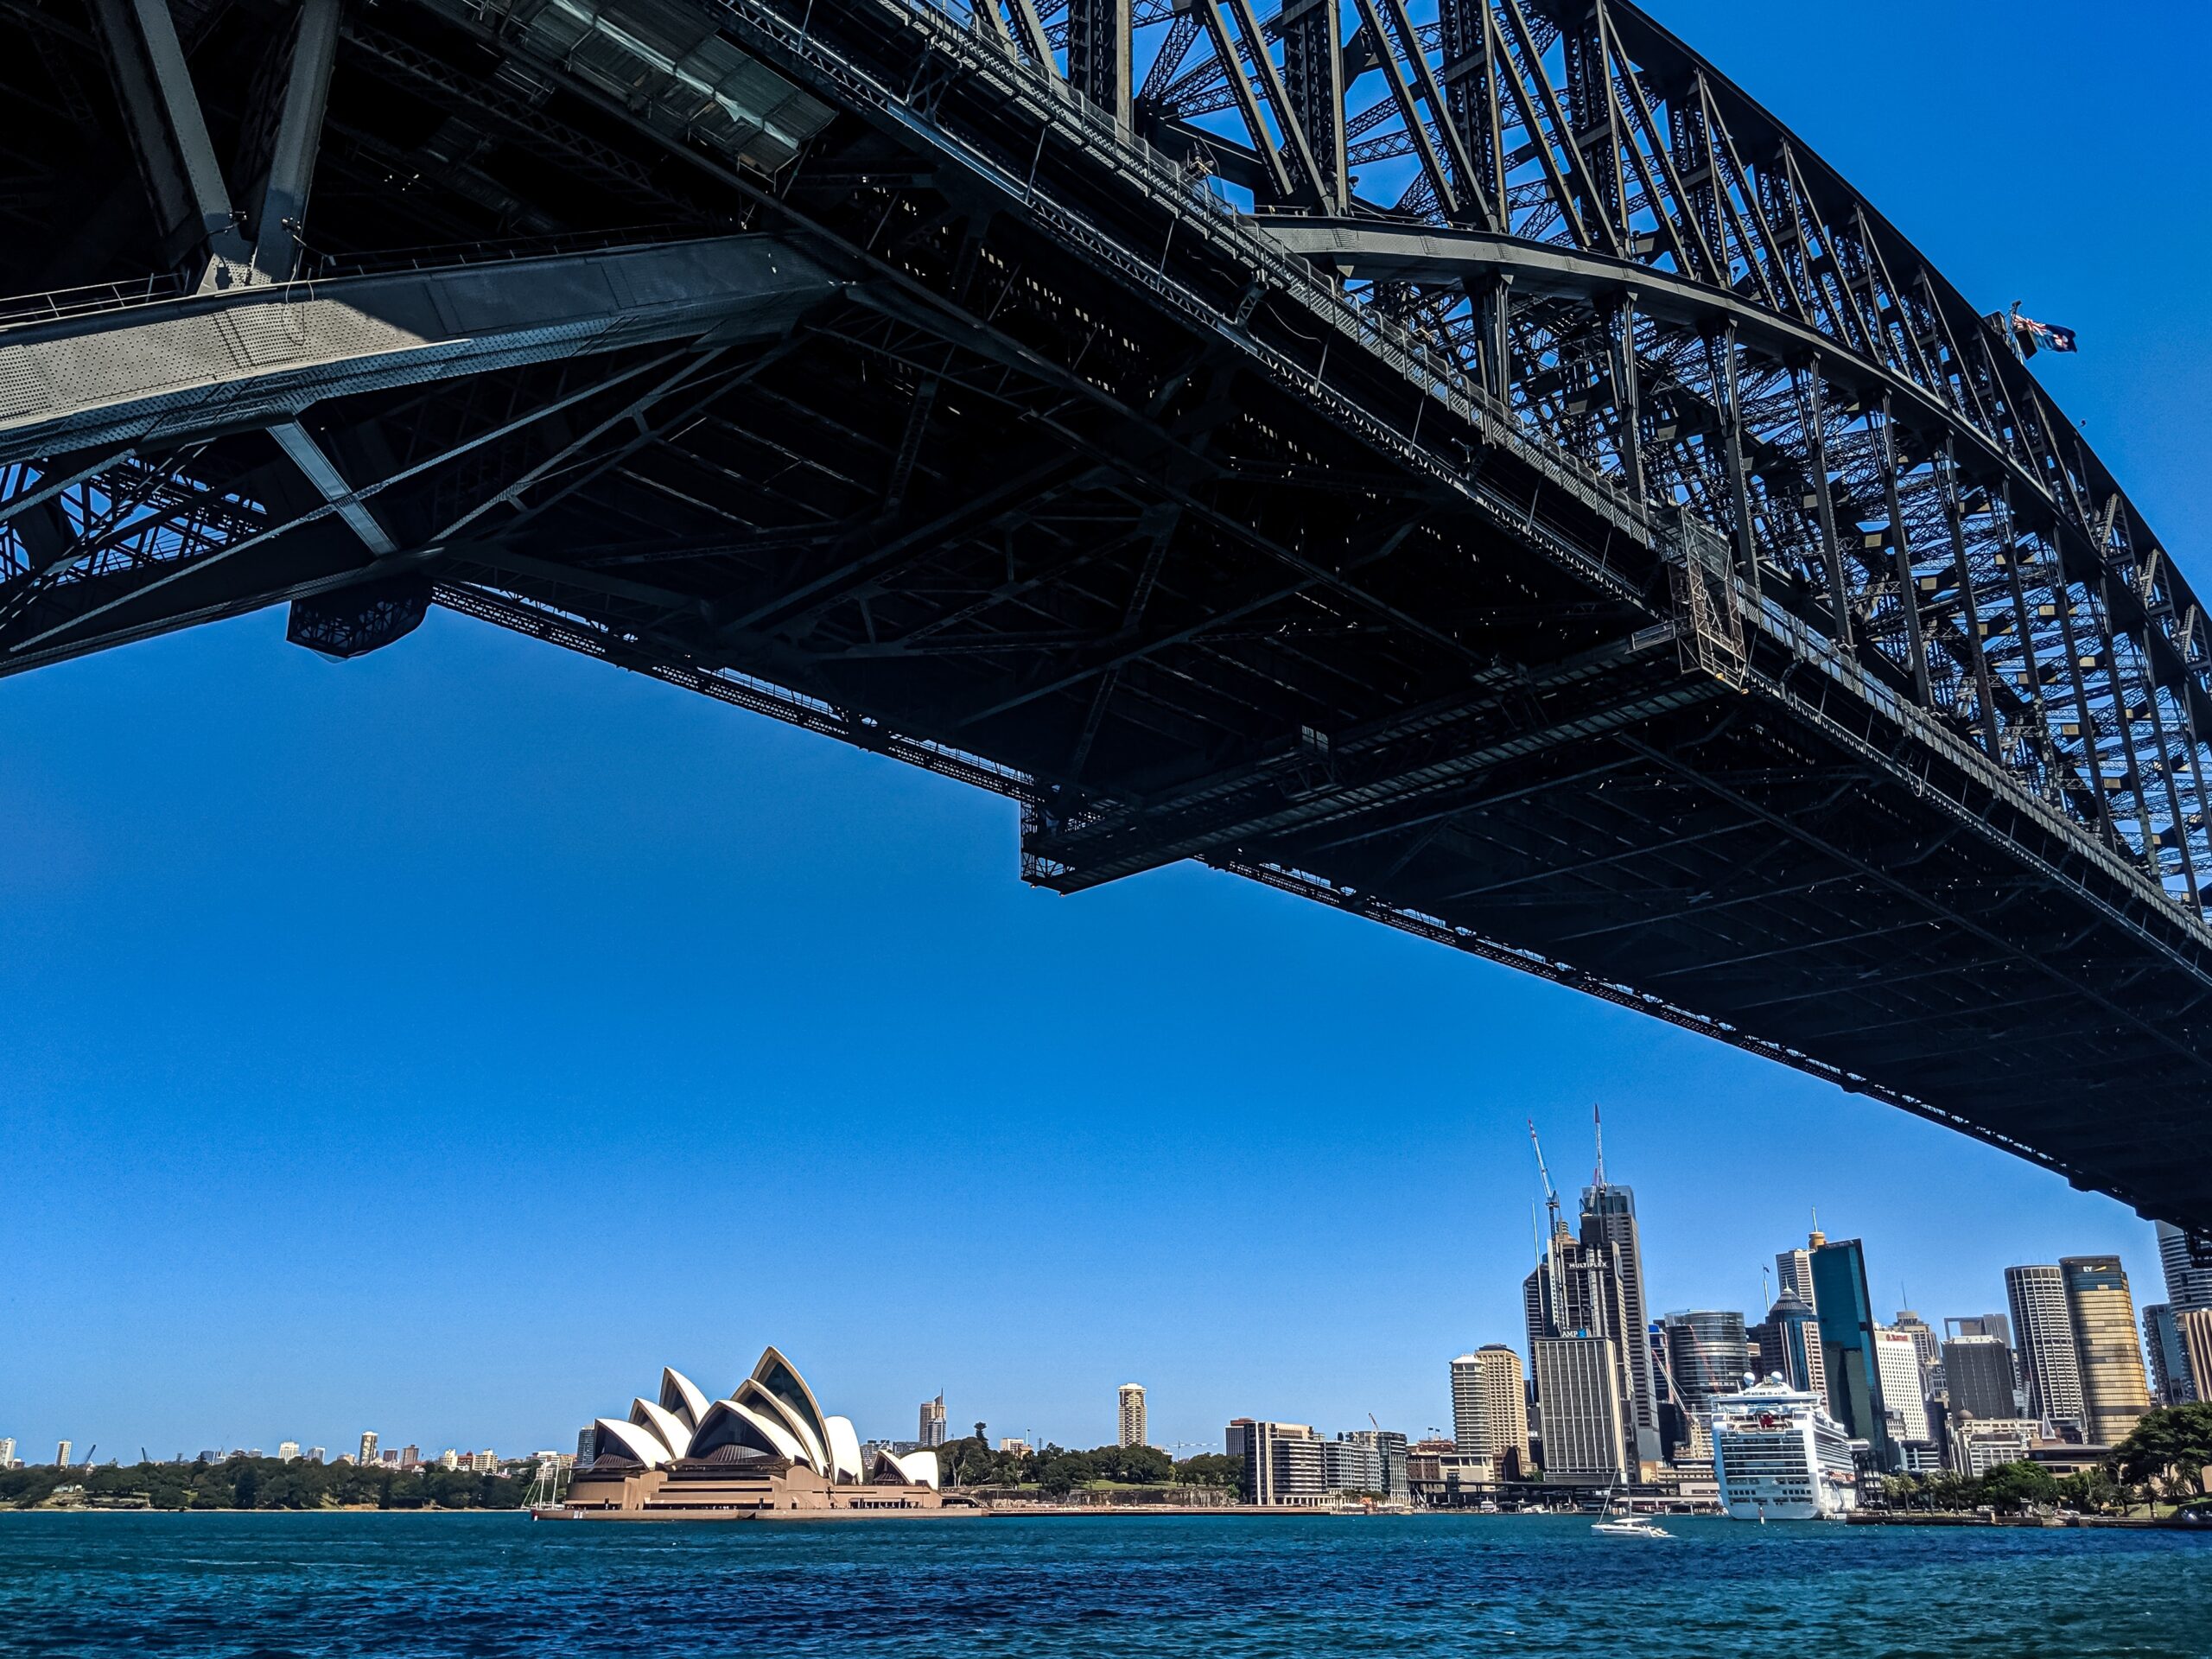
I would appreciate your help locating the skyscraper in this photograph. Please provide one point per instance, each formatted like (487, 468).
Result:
(1788, 1341)
(934, 1422)
(286, 1450)
(2114, 1392)
(1489, 1408)
(1896, 1355)
(1793, 1271)
(2045, 1330)
(1924, 1344)
(369, 1447)
(1575, 1292)
(1132, 1414)
(1704, 1352)
(7, 1451)
(2194, 1325)
(1586, 1438)
(1978, 1371)
(1609, 1223)
(2188, 1285)
(61, 1454)
(2170, 1382)
(584, 1439)
(1846, 1320)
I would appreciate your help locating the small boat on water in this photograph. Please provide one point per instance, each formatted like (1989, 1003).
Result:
(1626, 1525)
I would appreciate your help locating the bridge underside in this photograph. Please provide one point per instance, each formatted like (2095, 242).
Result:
(874, 441)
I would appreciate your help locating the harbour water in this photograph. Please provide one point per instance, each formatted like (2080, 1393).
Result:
(496, 1586)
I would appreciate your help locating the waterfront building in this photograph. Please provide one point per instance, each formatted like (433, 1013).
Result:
(768, 1447)
(2170, 1382)
(2114, 1391)
(368, 1453)
(2194, 1325)
(1352, 1466)
(61, 1454)
(1977, 1376)
(1284, 1462)
(1897, 1356)
(288, 1450)
(1778, 1455)
(1978, 1447)
(1705, 1354)
(1608, 1226)
(2188, 1285)
(1846, 1320)
(1587, 1440)
(1489, 1408)
(2049, 1358)
(1130, 1406)
(1789, 1344)
(1387, 1452)
(933, 1425)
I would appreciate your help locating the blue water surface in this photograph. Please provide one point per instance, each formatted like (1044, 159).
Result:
(269, 1586)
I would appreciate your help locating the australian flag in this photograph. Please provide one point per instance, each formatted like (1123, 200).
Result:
(2032, 334)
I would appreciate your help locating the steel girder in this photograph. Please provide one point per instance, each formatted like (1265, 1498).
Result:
(1604, 544)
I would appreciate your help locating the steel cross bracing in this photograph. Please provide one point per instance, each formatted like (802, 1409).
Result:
(1463, 462)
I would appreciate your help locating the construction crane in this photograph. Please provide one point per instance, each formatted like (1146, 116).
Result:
(1556, 1274)
(89, 1455)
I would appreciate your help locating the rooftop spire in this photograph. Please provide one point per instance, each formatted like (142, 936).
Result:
(1598, 1129)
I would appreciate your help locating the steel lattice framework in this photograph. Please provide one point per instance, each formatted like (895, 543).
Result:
(1467, 464)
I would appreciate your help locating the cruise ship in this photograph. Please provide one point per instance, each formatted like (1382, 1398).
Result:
(1779, 1456)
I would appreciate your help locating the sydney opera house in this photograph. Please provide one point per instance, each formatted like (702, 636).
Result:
(768, 1449)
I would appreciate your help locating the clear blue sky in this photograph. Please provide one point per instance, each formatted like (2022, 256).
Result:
(440, 1042)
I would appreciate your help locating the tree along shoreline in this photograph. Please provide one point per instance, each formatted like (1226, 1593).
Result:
(257, 1483)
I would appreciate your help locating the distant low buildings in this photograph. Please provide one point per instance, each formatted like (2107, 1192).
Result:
(288, 1450)
(1015, 1446)
(1284, 1462)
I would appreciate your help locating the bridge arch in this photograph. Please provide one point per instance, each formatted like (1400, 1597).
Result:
(1477, 469)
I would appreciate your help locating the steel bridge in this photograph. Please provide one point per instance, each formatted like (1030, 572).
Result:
(1464, 463)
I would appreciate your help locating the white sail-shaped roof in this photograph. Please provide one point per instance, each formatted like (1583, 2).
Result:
(727, 1422)
(811, 1452)
(780, 1378)
(844, 1449)
(680, 1395)
(612, 1437)
(672, 1431)
(915, 1468)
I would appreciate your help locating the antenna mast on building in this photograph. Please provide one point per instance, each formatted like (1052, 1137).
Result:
(1598, 1129)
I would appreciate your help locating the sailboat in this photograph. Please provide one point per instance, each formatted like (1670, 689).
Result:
(1628, 1525)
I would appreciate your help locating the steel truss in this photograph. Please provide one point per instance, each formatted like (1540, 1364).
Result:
(1465, 463)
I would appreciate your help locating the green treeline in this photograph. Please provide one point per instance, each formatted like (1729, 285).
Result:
(2160, 1459)
(264, 1484)
(1055, 1469)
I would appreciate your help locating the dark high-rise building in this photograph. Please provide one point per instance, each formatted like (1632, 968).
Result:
(1789, 1343)
(2188, 1285)
(1609, 1223)
(1978, 1371)
(1847, 1352)
(1575, 1292)
(2171, 1381)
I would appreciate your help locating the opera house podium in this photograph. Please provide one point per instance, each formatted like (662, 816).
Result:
(767, 1450)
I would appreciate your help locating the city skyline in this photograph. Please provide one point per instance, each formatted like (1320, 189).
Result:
(2059, 1308)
